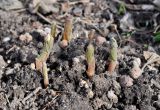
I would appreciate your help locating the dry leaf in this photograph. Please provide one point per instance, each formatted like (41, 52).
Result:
(148, 54)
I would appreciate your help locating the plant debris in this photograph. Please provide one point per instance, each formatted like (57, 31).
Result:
(79, 54)
(113, 56)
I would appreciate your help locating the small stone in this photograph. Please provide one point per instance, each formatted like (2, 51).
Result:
(1, 73)
(9, 71)
(8, 61)
(47, 30)
(32, 66)
(90, 94)
(6, 39)
(25, 37)
(40, 45)
(126, 81)
(63, 44)
(2, 62)
(112, 96)
(77, 11)
(156, 2)
(100, 40)
(83, 83)
(76, 60)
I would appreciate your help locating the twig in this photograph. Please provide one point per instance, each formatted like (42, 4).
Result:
(9, 104)
(150, 61)
(43, 17)
(129, 40)
(31, 94)
(156, 29)
(142, 7)
(49, 103)
(48, 20)
(19, 10)
(94, 27)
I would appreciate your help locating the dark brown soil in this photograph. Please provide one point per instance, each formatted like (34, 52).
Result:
(67, 67)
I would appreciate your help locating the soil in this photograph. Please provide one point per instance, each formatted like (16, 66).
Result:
(21, 86)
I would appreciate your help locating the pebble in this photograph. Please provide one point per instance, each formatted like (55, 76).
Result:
(112, 96)
(126, 81)
(1, 73)
(2, 62)
(76, 60)
(156, 2)
(47, 30)
(32, 65)
(136, 71)
(63, 44)
(40, 45)
(90, 94)
(9, 71)
(6, 39)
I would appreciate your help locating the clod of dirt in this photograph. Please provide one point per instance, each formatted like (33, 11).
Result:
(113, 98)
(116, 87)
(147, 107)
(100, 40)
(99, 103)
(102, 84)
(126, 81)
(130, 107)
(83, 83)
(28, 55)
(73, 102)
(3, 101)
(25, 37)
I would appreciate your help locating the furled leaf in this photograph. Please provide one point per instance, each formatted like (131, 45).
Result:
(67, 35)
(157, 37)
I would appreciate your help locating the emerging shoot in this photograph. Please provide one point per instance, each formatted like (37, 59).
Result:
(113, 56)
(67, 35)
(90, 57)
(45, 74)
(42, 58)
